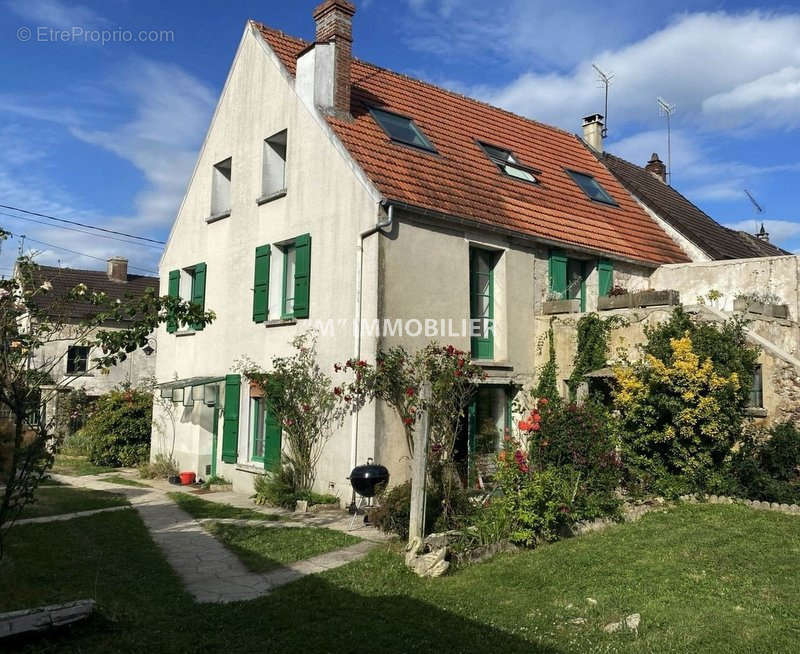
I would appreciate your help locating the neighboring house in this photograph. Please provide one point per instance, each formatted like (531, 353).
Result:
(67, 357)
(380, 210)
(701, 237)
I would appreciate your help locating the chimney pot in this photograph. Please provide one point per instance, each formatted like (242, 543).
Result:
(593, 131)
(657, 167)
(763, 234)
(117, 269)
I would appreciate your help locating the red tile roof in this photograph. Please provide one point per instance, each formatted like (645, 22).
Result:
(462, 181)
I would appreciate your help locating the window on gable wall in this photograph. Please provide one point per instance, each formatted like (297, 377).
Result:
(221, 188)
(188, 284)
(508, 164)
(77, 359)
(274, 165)
(401, 129)
(591, 187)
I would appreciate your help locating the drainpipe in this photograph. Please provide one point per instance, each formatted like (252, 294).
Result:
(380, 225)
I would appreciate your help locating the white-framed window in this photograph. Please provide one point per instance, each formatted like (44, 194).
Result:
(273, 179)
(221, 187)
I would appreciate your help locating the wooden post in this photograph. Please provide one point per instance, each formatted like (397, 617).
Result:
(416, 527)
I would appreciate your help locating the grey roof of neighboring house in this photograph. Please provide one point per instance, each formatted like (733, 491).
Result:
(717, 241)
(65, 279)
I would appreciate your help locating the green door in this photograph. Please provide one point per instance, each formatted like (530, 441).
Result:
(272, 439)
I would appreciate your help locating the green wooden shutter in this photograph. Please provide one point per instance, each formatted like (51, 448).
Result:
(230, 420)
(302, 275)
(173, 290)
(272, 439)
(605, 276)
(199, 289)
(261, 284)
(558, 273)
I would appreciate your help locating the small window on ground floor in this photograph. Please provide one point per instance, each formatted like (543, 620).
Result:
(756, 399)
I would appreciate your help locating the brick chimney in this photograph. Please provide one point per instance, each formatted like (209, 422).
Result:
(117, 269)
(593, 132)
(323, 72)
(657, 168)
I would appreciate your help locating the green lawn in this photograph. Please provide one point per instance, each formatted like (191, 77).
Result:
(77, 466)
(124, 481)
(53, 499)
(262, 549)
(705, 578)
(199, 508)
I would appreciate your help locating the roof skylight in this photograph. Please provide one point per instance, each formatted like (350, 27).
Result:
(507, 164)
(591, 187)
(401, 129)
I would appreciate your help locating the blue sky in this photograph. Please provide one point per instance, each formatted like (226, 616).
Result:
(107, 134)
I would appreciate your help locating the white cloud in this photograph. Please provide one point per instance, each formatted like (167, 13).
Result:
(695, 58)
(772, 98)
(56, 14)
(172, 113)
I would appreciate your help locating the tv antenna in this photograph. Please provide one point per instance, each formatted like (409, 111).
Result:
(759, 210)
(667, 109)
(605, 80)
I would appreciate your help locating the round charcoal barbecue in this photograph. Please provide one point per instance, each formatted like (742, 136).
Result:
(365, 480)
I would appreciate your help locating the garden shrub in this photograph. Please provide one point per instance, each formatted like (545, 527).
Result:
(76, 444)
(393, 512)
(578, 440)
(679, 412)
(279, 488)
(766, 466)
(161, 467)
(118, 431)
(534, 506)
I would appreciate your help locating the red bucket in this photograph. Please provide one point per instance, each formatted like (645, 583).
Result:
(187, 478)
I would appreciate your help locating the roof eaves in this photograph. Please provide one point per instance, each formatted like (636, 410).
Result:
(523, 236)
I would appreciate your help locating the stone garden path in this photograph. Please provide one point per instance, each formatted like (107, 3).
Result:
(211, 572)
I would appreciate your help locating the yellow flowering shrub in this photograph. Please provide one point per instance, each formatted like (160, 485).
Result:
(679, 418)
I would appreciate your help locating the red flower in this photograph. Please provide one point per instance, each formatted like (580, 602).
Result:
(337, 391)
(460, 363)
(458, 373)
(409, 391)
(536, 426)
(524, 425)
(306, 408)
(450, 349)
(407, 421)
(544, 401)
(362, 364)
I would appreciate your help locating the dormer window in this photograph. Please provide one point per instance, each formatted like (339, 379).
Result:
(591, 187)
(401, 129)
(507, 163)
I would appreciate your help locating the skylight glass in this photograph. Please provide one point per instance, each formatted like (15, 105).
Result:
(591, 187)
(401, 129)
(507, 164)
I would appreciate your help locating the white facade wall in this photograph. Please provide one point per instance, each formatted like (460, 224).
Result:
(323, 198)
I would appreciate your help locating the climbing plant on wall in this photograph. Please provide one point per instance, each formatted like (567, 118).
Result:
(591, 352)
(547, 385)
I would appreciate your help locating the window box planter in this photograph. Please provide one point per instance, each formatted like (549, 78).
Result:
(639, 299)
(551, 307)
(769, 310)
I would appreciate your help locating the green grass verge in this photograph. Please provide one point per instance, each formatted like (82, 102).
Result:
(124, 481)
(199, 508)
(57, 499)
(77, 466)
(705, 578)
(262, 549)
